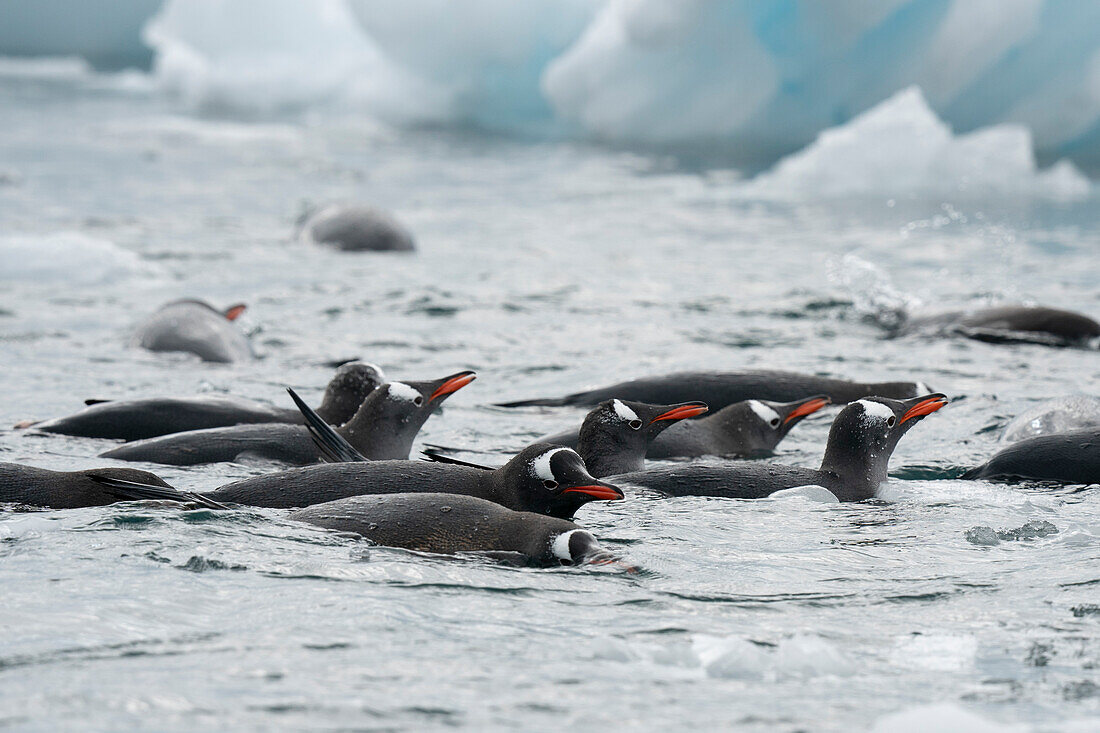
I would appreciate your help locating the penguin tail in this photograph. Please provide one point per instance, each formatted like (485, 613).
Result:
(972, 474)
(434, 456)
(334, 447)
(542, 402)
(94, 401)
(136, 491)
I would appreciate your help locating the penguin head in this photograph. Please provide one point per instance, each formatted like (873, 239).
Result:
(865, 433)
(619, 427)
(550, 479)
(397, 410)
(759, 424)
(347, 389)
(578, 547)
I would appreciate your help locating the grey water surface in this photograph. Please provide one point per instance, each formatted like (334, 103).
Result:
(547, 267)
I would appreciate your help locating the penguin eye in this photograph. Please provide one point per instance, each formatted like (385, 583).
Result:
(891, 421)
(418, 401)
(635, 424)
(774, 422)
(550, 484)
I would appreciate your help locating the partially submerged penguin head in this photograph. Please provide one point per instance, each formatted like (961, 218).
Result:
(393, 413)
(616, 433)
(347, 389)
(579, 547)
(759, 425)
(550, 479)
(865, 433)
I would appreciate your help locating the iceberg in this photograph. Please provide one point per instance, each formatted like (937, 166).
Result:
(901, 148)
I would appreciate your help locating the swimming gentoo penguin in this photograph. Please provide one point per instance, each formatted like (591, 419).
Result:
(384, 427)
(64, 489)
(720, 389)
(542, 478)
(195, 327)
(748, 428)
(151, 417)
(1072, 457)
(1010, 324)
(1054, 416)
(861, 440)
(356, 229)
(448, 524)
(431, 522)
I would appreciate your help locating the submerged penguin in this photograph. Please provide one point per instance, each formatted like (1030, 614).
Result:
(1010, 324)
(431, 522)
(195, 327)
(720, 389)
(1054, 416)
(1072, 457)
(65, 489)
(384, 427)
(356, 229)
(749, 428)
(862, 438)
(152, 417)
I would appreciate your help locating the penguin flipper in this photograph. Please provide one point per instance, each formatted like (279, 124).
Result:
(333, 446)
(135, 491)
(433, 456)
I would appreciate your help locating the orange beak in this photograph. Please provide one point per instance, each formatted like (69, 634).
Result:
(234, 311)
(604, 492)
(925, 407)
(453, 384)
(808, 407)
(682, 412)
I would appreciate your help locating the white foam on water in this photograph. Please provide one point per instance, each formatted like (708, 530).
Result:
(811, 492)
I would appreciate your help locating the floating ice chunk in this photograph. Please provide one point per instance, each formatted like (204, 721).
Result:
(901, 147)
(655, 71)
(942, 718)
(69, 257)
(805, 655)
(812, 492)
(262, 55)
(802, 655)
(731, 657)
(938, 652)
(481, 59)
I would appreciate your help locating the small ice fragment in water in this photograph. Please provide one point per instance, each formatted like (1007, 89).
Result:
(813, 492)
(1030, 530)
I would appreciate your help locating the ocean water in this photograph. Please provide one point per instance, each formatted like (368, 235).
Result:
(547, 266)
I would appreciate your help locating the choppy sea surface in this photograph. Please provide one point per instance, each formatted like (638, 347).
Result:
(547, 267)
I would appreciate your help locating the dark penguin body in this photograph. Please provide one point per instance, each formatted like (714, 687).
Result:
(545, 479)
(384, 427)
(149, 418)
(448, 524)
(195, 327)
(64, 489)
(862, 438)
(749, 428)
(720, 389)
(357, 229)
(1072, 457)
(1010, 324)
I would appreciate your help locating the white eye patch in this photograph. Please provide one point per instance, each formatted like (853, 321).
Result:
(402, 391)
(623, 411)
(922, 389)
(560, 547)
(875, 410)
(763, 412)
(541, 465)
